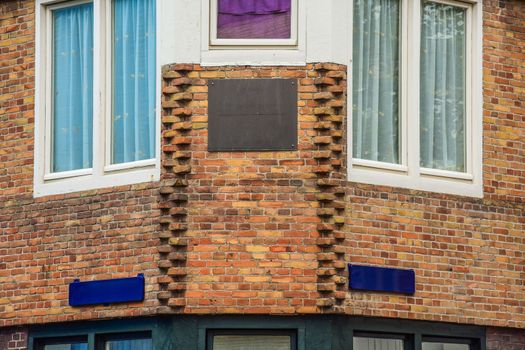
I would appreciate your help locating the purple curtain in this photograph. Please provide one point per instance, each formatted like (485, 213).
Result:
(253, 7)
(254, 19)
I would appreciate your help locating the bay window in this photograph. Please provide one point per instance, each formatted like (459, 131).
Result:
(96, 94)
(415, 95)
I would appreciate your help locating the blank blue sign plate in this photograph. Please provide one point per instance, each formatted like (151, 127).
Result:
(382, 279)
(118, 290)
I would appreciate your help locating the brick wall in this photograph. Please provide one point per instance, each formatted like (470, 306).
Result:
(265, 232)
(48, 242)
(13, 339)
(505, 339)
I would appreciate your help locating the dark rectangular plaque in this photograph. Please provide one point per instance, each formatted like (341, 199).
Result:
(382, 279)
(118, 290)
(252, 115)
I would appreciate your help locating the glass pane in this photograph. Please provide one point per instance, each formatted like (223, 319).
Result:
(132, 344)
(254, 19)
(72, 121)
(375, 72)
(443, 87)
(133, 80)
(76, 346)
(252, 342)
(362, 343)
(443, 346)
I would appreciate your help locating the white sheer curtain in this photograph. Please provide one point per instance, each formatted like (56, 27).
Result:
(442, 104)
(375, 72)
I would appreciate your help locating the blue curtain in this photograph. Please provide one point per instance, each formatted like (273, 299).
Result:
(133, 80)
(72, 145)
(134, 344)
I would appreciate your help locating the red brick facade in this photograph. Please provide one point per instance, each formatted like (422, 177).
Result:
(266, 232)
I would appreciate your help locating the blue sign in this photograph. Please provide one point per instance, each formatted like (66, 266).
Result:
(382, 279)
(118, 290)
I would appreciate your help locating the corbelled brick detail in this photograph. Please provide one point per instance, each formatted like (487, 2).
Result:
(252, 220)
(176, 162)
(329, 102)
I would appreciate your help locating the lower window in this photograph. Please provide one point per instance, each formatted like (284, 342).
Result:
(117, 341)
(251, 339)
(75, 343)
(378, 341)
(438, 343)
(132, 341)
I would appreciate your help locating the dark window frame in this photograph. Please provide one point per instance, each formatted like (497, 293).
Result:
(211, 333)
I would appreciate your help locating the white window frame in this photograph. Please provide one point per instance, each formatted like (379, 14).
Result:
(102, 174)
(214, 41)
(409, 174)
(254, 52)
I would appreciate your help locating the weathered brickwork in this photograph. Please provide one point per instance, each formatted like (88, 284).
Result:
(266, 232)
(48, 242)
(505, 339)
(13, 338)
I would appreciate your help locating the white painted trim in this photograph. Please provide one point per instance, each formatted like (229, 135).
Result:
(216, 42)
(469, 183)
(125, 166)
(379, 165)
(68, 174)
(100, 176)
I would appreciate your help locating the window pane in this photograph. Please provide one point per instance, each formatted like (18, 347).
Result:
(375, 72)
(443, 346)
(365, 343)
(72, 141)
(76, 346)
(443, 87)
(252, 342)
(133, 80)
(254, 19)
(132, 344)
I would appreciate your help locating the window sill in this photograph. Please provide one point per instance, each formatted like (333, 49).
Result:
(430, 180)
(122, 177)
(253, 56)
